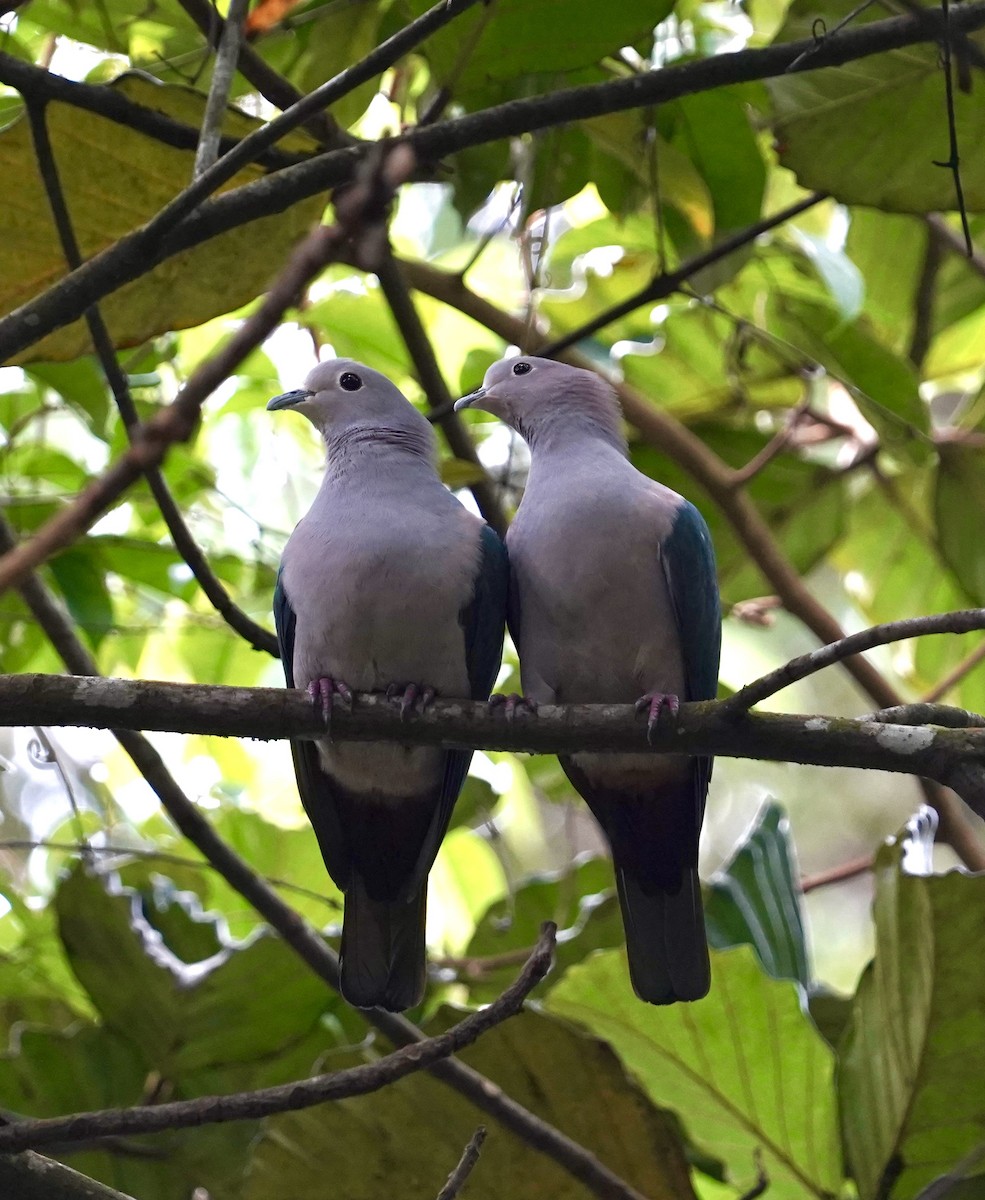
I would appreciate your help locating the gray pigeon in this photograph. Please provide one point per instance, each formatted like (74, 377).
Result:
(387, 584)
(613, 599)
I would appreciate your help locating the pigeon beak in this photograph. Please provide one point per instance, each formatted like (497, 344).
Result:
(471, 399)
(288, 399)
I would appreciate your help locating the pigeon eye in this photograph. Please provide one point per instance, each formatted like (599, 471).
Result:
(350, 382)
(521, 368)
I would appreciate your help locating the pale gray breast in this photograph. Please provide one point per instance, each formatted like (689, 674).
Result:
(596, 620)
(378, 596)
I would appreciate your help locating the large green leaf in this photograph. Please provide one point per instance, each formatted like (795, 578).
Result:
(910, 1070)
(510, 39)
(869, 134)
(414, 1131)
(114, 180)
(745, 1068)
(755, 899)
(181, 1018)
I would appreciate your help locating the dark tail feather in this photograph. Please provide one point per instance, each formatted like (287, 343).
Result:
(383, 950)
(665, 940)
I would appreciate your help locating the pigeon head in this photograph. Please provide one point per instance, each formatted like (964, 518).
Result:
(346, 400)
(545, 400)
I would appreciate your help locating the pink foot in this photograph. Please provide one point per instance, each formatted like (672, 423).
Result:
(654, 704)
(511, 703)
(324, 691)
(410, 694)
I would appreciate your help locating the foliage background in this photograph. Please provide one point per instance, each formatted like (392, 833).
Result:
(839, 353)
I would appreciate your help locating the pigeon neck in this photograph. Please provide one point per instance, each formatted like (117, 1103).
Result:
(572, 435)
(393, 449)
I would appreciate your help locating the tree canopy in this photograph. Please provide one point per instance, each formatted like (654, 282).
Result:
(760, 222)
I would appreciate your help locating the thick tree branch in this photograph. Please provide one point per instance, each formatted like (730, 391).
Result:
(711, 727)
(358, 216)
(136, 254)
(479, 1091)
(287, 1097)
(185, 544)
(30, 1176)
(38, 86)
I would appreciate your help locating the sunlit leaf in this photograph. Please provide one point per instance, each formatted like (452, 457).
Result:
(910, 1078)
(744, 1068)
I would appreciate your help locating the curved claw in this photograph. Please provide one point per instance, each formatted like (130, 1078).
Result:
(511, 703)
(411, 695)
(323, 691)
(654, 704)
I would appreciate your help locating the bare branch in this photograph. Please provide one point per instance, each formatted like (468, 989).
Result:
(137, 253)
(32, 1177)
(268, 82)
(710, 727)
(838, 874)
(466, 1165)
(223, 73)
(288, 1097)
(963, 621)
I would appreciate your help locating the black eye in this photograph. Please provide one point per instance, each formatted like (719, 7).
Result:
(521, 368)
(350, 382)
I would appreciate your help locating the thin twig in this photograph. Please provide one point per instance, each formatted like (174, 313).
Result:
(953, 162)
(268, 82)
(663, 286)
(954, 677)
(838, 874)
(923, 300)
(963, 621)
(164, 856)
(223, 73)
(185, 544)
(466, 1165)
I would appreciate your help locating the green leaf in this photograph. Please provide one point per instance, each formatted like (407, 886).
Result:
(82, 581)
(516, 38)
(910, 1065)
(581, 902)
(114, 180)
(960, 515)
(414, 1130)
(755, 899)
(744, 1068)
(870, 135)
(181, 1020)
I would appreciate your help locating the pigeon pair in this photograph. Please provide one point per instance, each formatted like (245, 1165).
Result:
(390, 584)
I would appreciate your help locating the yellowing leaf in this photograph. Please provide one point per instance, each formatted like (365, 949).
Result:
(115, 179)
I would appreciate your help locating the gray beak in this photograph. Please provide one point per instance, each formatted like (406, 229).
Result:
(470, 399)
(288, 399)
